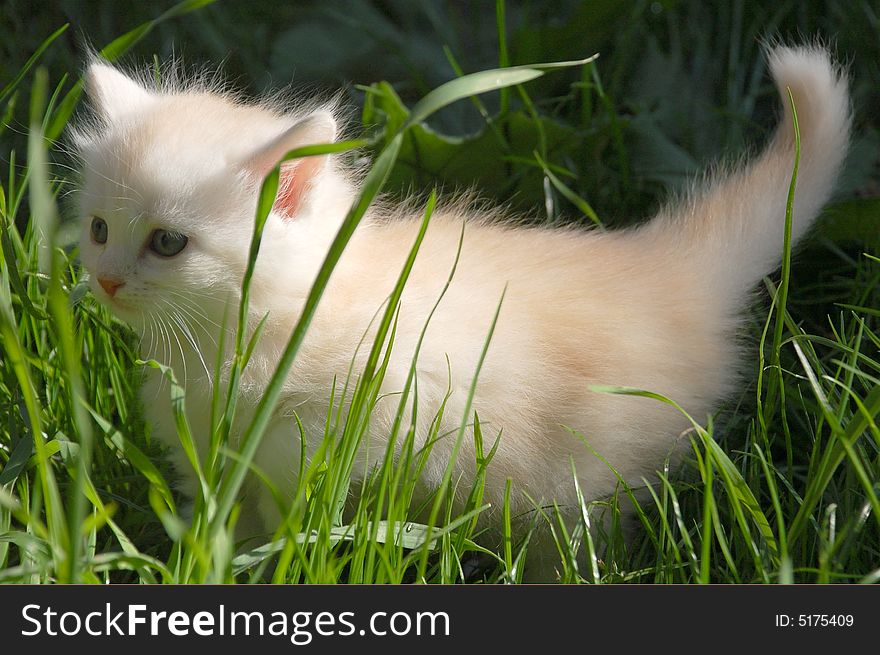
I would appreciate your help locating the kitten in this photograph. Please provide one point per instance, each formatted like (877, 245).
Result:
(169, 194)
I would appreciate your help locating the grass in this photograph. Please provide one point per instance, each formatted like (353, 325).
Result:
(782, 485)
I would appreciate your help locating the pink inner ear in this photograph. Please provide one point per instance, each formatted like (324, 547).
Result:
(296, 176)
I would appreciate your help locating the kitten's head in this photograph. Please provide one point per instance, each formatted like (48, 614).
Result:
(169, 192)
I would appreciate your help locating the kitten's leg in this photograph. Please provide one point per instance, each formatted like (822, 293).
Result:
(184, 482)
(543, 562)
(250, 523)
(251, 528)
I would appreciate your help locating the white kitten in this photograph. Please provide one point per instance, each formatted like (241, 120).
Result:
(169, 195)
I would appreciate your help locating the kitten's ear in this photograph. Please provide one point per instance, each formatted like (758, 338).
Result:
(297, 174)
(112, 93)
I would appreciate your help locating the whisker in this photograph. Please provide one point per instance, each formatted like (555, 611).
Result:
(181, 322)
(195, 320)
(179, 347)
(166, 342)
(195, 310)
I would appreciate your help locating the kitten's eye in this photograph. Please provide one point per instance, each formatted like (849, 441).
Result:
(99, 230)
(167, 244)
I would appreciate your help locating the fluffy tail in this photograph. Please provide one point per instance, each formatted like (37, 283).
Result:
(734, 227)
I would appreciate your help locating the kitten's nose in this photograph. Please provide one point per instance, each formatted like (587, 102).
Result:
(110, 285)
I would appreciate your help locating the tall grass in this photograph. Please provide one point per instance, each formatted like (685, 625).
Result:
(781, 486)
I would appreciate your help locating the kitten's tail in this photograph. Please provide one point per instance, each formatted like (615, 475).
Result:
(734, 228)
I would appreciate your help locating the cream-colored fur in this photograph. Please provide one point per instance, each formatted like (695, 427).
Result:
(656, 307)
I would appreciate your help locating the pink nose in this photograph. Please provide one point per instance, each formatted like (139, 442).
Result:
(110, 285)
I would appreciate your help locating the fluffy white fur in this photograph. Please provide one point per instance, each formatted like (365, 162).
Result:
(655, 307)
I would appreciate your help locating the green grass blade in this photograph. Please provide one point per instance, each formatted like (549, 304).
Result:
(9, 88)
(481, 82)
(250, 440)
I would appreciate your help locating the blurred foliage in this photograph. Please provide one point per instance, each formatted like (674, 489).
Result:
(678, 83)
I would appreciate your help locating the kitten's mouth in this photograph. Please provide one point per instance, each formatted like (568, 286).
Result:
(130, 314)
(114, 302)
